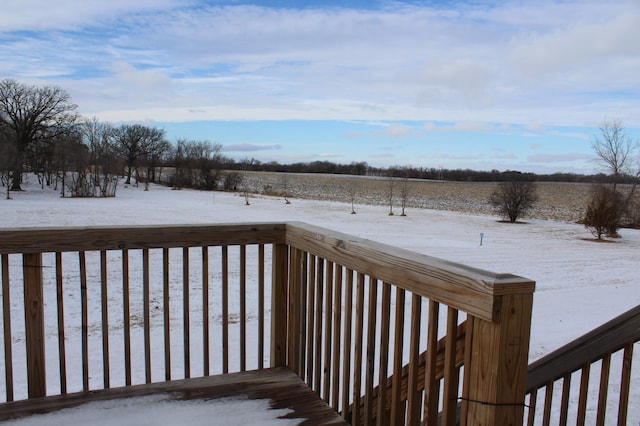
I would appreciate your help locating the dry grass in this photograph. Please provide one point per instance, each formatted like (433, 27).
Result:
(557, 201)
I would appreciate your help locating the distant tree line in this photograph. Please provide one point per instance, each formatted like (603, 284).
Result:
(41, 133)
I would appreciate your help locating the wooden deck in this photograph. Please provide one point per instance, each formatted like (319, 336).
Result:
(280, 385)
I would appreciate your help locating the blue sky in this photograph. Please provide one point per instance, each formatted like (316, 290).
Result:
(466, 84)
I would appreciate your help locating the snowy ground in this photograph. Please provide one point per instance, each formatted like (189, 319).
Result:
(580, 283)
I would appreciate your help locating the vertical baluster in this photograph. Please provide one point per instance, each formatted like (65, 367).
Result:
(564, 405)
(146, 301)
(468, 343)
(328, 308)
(166, 308)
(337, 327)
(382, 415)
(279, 305)
(105, 319)
(85, 321)
(533, 399)
(126, 317)
(261, 302)
(431, 384)
(62, 353)
(311, 318)
(243, 308)
(548, 400)
(186, 312)
(397, 404)
(346, 356)
(451, 376)
(6, 320)
(371, 349)
(293, 339)
(357, 358)
(582, 399)
(34, 324)
(205, 311)
(318, 333)
(625, 383)
(225, 309)
(413, 396)
(303, 337)
(604, 387)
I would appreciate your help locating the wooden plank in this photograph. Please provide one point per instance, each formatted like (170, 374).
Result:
(243, 308)
(311, 318)
(126, 312)
(34, 324)
(6, 322)
(104, 298)
(397, 404)
(382, 415)
(261, 302)
(413, 398)
(225, 309)
(604, 388)
(451, 376)
(533, 400)
(84, 320)
(337, 327)
(205, 311)
(582, 395)
(548, 400)
(186, 312)
(293, 341)
(62, 353)
(467, 328)
(431, 383)
(146, 313)
(625, 383)
(318, 333)
(357, 355)
(166, 312)
(328, 327)
(564, 402)
(29, 240)
(346, 345)
(469, 289)
(372, 311)
(281, 386)
(279, 305)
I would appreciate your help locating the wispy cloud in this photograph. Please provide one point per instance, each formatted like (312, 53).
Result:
(248, 147)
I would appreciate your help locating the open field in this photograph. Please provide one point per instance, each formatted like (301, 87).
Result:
(557, 201)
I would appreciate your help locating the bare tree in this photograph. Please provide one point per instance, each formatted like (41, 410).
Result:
(391, 182)
(134, 143)
(246, 164)
(615, 152)
(404, 190)
(285, 188)
(352, 191)
(8, 154)
(614, 149)
(33, 113)
(513, 197)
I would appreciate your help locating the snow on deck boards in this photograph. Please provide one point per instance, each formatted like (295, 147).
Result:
(281, 386)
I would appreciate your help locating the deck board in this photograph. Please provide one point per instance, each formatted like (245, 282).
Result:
(280, 385)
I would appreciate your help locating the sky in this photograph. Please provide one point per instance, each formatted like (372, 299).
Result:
(520, 85)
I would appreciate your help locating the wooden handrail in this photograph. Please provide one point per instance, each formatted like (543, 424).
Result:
(606, 339)
(469, 289)
(61, 239)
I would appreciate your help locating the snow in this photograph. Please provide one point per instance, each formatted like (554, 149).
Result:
(580, 284)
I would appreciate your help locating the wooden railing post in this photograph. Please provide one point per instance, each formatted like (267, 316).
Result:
(279, 302)
(497, 369)
(34, 324)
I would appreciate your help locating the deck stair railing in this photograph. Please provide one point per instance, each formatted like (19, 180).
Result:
(574, 362)
(85, 309)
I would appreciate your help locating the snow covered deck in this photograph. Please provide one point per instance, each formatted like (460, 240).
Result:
(280, 386)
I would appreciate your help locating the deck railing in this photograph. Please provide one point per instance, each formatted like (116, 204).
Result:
(597, 350)
(380, 333)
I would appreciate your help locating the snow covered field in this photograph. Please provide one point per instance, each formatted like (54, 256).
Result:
(580, 283)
